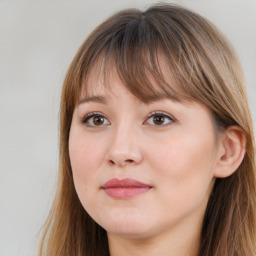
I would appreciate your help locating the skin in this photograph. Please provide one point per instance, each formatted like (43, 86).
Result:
(178, 159)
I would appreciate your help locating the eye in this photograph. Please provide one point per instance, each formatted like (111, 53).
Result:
(159, 119)
(95, 120)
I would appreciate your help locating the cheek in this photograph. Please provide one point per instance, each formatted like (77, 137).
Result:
(183, 175)
(85, 158)
(184, 163)
(85, 155)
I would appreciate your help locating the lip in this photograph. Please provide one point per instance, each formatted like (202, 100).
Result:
(125, 188)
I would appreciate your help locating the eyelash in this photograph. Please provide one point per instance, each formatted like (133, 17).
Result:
(85, 120)
(160, 114)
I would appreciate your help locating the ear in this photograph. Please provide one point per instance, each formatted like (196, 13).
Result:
(231, 151)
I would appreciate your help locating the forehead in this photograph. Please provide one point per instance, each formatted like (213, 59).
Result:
(99, 91)
(145, 85)
(100, 81)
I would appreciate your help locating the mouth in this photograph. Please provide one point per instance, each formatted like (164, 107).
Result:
(125, 188)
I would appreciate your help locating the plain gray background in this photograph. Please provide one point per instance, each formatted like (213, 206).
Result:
(37, 42)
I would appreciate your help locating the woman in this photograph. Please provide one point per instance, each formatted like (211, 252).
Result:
(156, 143)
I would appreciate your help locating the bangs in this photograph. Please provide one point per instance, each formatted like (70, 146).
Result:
(138, 54)
(147, 78)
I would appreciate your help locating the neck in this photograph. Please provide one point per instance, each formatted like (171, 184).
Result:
(173, 243)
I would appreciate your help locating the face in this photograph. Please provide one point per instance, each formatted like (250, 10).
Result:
(141, 169)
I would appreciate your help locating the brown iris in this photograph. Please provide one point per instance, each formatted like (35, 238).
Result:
(98, 120)
(158, 120)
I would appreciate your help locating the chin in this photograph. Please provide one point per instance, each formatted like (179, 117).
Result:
(127, 227)
(129, 232)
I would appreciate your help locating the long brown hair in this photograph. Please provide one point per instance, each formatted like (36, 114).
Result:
(204, 68)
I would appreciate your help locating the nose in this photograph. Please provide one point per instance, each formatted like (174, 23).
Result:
(124, 148)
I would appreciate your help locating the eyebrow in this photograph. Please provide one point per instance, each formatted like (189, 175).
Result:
(98, 99)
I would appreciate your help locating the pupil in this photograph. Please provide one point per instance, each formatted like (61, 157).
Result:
(159, 119)
(98, 120)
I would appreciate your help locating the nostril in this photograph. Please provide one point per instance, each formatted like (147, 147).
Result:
(121, 163)
(111, 162)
